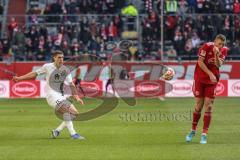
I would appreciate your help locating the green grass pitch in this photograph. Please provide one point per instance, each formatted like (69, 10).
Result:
(151, 130)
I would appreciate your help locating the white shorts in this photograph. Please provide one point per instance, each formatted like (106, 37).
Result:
(57, 100)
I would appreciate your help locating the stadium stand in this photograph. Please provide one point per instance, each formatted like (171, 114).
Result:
(86, 26)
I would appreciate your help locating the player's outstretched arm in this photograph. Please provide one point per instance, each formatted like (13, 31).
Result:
(203, 66)
(75, 93)
(30, 75)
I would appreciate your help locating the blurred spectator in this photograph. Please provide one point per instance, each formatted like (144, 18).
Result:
(43, 31)
(171, 6)
(18, 45)
(93, 28)
(188, 48)
(33, 34)
(54, 11)
(12, 27)
(1, 9)
(119, 24)
(104, 32)
(119, 4)
(75, 48)
(40, 54)
(159, 6)
(111, 6)
(130, 10)
(72, 9)
(200, 6)
(208, 8)
(112, 32)
(237, 27)
(148, 5)
(30, 50)
(95, 46)
(228, 6)
(170, 24)
(192, 5)
(179, 41)
(227, 27)
(222, 7)
(195, 40)
(6, 52)
(6, 48)
(153, 19)
(236, 7)
(182, 8)
(85, 36)
(66, 48)
(235, 49)
(215, 6)
(18, 38)
(147, 31)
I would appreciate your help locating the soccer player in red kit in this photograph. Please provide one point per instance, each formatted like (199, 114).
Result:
(206, 76)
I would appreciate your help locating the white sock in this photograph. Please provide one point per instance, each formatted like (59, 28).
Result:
(61, 126)
(70, 127)
(69, 124)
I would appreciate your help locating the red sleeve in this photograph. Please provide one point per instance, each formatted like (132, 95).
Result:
(203, 50)
(224, 53)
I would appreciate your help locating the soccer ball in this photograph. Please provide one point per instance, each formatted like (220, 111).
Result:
(168, 75)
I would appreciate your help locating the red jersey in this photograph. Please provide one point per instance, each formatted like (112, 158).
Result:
(206, 52)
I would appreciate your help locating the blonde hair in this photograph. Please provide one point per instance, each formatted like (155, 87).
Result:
(221, 37)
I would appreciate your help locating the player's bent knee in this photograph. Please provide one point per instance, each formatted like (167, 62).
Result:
(208, 105)
(208, 108)
(198, 109)
(199, 105)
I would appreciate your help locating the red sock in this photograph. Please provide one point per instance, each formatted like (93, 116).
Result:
(196, 117)
(206, 121)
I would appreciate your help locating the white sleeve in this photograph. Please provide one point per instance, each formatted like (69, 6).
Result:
(42, 70)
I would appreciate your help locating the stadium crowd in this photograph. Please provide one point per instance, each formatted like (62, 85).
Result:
(188, 23)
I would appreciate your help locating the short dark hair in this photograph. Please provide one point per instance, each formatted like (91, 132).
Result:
(55, 53)
(221, 37)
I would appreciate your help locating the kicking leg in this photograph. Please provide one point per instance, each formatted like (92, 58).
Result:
(56, 132)
(69, 112)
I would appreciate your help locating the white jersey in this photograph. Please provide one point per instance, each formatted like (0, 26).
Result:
(56, 78)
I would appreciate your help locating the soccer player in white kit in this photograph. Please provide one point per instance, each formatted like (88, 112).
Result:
(56, 76)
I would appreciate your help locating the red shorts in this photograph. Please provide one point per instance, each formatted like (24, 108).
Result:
(201, 90)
